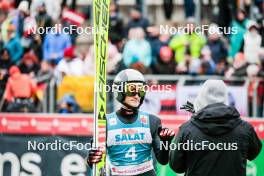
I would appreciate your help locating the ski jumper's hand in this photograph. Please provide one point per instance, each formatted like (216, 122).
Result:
(166, 134)
(94, 156)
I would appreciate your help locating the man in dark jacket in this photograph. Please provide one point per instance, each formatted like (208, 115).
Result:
(222, 142)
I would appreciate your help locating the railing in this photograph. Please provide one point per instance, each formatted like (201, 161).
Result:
(49, 102)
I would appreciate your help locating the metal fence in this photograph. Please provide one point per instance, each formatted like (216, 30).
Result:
(255, 107)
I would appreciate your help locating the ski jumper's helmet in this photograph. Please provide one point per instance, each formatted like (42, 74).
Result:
(124, 78)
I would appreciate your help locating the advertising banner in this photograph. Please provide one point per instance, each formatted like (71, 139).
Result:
(38, 155)
(54, 145)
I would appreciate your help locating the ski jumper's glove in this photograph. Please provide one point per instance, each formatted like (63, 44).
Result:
(94, 156)
(166, 134)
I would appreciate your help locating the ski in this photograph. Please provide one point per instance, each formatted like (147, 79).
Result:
(101, 23)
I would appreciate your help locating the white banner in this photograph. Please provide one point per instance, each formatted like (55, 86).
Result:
(237, 96)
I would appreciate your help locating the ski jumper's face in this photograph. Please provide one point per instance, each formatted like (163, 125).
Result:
(134, 92)
(133, 101)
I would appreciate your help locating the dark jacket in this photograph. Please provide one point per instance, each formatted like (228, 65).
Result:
(164, 68)
(4, 67)
(218, 50)
(216, 123)
(132, 23)
(28, 69)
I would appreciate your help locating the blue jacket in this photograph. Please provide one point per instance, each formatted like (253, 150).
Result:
(137, 51)
(236, 40)
(55, 44)
(15, 49)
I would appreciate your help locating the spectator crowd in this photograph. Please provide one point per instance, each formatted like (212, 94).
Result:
(28, 60)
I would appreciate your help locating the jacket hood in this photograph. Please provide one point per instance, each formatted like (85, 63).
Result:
(216, 119)
(212, 91)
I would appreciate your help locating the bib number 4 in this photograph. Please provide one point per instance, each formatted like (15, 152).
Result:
(131, 153)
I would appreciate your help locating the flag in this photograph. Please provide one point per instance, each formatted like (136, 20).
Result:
(73, 17)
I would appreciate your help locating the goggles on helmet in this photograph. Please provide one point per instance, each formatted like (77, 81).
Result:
(132, 89)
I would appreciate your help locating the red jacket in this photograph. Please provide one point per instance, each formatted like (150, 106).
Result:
(19, 85)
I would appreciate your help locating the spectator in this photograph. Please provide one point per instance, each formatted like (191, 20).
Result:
(29, 64)
(68, 104)
(13, 44)
(72, 6)
(36, 46)
(45, 73)
(5, 25)
(54, 44)
(4, 5)
(4, 9)
(116, 28)
(141, 68)
(136, 20)
(53, 8)
(114, 62)
(189, 66)
(165, 63)
(42, 18)
(216, 45)
(5, 64)
(252, 43)
(27, 37)
(227, 10)
(137, 50)
(156, 41)
(239, 67)
(207, 64)
(260, 5)
(193, 65)
(69, 65)
(20, 90)
(43, 77)
(5, 60)
(189, 8)
(221, 67)
(190, 42)
(114, 59)
(155, 44)
(20, 16)
(168, 8)
(236, 38)
(89, 62)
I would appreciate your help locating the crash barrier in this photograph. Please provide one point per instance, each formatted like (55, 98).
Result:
(243, 93)
(53, 144)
